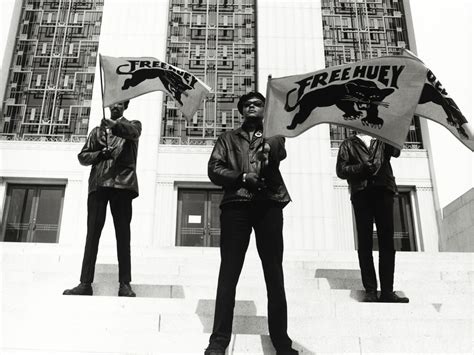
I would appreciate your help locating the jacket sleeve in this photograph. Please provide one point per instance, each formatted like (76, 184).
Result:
(277, 150)
(90, 152)
(394, 152)
(345, 170)
(217, 168)
(130, 130)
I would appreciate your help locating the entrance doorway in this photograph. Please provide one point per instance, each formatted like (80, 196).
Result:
(404, 231)
(198, 222)
(32, 213)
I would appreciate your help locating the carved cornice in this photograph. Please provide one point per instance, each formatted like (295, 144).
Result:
(341, 187)
(424, 188)
(172, 178)
(185, 149)
(165, 183)
(414, 153)
(418, 183)
(12, 175)
(406, 153)
(41, 146)
(339, 183)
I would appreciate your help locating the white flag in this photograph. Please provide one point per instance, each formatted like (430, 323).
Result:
(436, 105)
(377, 96)
(129, 77)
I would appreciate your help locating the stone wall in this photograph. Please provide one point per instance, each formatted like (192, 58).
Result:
(457, 228)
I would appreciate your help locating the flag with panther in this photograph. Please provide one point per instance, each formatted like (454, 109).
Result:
(378, 96)
(437, 105)
(129, 77)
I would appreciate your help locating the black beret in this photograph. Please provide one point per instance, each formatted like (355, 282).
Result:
(248, 96)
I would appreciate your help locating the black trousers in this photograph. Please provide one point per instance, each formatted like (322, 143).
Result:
(121, 208)
(237, 221)
(371, 204)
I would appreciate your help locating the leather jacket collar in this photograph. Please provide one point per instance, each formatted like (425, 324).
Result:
(258, 133)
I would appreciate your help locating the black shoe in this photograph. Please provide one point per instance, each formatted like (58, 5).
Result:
(125, 290)
(392, 297)
(289, 351)
(211, 350)
(370, 296)
(83, 289)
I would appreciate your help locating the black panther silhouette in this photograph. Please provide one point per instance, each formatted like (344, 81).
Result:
(365, 94)
(171, 81)
(455, 117)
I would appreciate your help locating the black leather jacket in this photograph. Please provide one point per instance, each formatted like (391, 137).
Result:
(234, 155)
(120, 171)
(350, 164)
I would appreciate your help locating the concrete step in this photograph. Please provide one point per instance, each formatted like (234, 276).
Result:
(18, 293)
(191, 325)
(346, 344)
(182, 252)
(146, 344)
(53, 254)
(251, 274)
(321, 306)
(54, 257)
(428, 293)
(81, 340)
(196, 269)
(352, 281)
(294, 278)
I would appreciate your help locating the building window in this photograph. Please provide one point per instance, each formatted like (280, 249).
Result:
(220, 44)
(365, 41)
(198, 222)
(55, 40)
(32, 213)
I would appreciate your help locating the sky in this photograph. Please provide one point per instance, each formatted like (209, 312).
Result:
(444, 41)
(5, 19)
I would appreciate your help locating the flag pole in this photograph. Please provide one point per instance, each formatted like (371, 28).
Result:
(102, 95)
(262, 165)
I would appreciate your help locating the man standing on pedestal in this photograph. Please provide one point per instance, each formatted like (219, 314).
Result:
(112, 150)
(365, 163)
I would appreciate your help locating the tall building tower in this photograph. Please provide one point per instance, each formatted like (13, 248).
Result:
(51, 74)
(215, 40)
(358, 30)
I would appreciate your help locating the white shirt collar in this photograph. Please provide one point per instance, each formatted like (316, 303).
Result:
(365, 138)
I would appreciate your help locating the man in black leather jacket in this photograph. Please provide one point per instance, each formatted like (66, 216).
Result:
(254, 197)
(112, 150)
(366, 167)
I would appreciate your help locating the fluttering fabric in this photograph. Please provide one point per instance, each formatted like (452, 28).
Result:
(378, 96)
(129, 77)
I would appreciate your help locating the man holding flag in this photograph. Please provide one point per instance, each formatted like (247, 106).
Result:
(377, 96)
(365, 164)
(254, 198)
(111, 149)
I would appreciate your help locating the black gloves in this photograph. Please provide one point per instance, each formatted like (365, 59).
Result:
(369, 168)
(253, 182)
(263, 153)
(105, 154)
